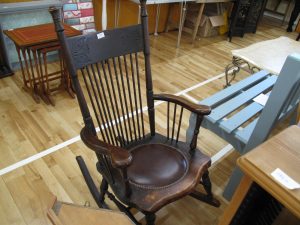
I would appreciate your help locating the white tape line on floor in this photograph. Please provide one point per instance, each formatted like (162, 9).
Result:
(77, 138)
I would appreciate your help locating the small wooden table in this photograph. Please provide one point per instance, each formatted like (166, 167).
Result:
(69, 214)
(32, 44)
(181, 19)
(281, 151)
(183, 10)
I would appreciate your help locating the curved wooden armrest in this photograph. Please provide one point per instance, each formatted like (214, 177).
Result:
(120, 157)
(195, 108)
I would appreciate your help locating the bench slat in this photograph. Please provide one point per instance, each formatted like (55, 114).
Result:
(234, 89)
(236, 102)
(241, 117)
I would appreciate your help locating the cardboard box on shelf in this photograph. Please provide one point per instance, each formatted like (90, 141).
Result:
(213, 22)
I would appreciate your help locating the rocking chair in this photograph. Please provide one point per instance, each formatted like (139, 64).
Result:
(144, 171)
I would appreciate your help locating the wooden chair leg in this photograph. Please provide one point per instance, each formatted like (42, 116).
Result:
(207, 184)
(103, 190)
(150, 218)
(208, 197)
(298, 37)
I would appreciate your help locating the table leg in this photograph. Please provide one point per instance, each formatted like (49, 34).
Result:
(47, 88)
(235, 66)
(235, 69)
(22, 69)
(286, 11)
(117, 12)
(236, 201)
(201, 9)
(65, 75)
(139, 15)
(157, 19)
(31, 81)
(38, 65)
(35, 81)
(46, 78)
(170, 9)
(181, 22)
(104, 14)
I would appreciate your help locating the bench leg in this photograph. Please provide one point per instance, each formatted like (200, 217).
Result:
(233, 183)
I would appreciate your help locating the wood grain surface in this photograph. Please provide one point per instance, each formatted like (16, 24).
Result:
(39, 34)
(282, 152)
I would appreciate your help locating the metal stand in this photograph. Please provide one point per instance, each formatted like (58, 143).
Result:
(235, 66)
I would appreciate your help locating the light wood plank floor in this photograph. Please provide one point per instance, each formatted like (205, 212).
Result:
(27, 128)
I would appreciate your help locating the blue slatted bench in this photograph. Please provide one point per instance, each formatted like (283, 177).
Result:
(244, 123)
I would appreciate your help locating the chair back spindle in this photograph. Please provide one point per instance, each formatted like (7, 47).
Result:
(112, 80)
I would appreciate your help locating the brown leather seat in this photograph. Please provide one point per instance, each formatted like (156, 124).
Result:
(156, 166)
(150, 173)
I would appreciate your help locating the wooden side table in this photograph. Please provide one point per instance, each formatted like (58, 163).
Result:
(281, 151)
(171, 5)
(32, 44)
(193, 31)
(69, 214)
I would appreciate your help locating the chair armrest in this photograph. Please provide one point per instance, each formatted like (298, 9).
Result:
(120, 157)
(195, 108)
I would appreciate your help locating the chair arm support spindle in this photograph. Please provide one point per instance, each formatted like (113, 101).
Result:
(193, 144)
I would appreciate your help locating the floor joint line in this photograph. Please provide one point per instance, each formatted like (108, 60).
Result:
(55, 148)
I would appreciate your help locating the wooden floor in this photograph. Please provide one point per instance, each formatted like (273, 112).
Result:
(27, 128)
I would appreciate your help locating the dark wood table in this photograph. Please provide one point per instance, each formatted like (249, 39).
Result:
(33, 45)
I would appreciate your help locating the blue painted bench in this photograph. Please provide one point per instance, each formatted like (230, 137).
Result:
(244, 123)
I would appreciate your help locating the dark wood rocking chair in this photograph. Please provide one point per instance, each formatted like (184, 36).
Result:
(144, 171)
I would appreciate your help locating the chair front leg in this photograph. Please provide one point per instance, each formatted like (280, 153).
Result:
(150, 218)
(208, 197)
(103, 190)
(207, 184)
(126, 182)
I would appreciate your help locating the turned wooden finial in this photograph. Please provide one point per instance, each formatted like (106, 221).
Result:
(143, 8)
(55, 13)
